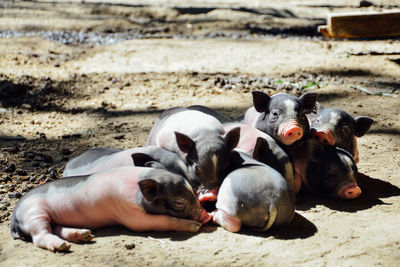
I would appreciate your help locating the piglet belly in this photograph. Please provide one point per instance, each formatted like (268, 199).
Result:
(80, 212)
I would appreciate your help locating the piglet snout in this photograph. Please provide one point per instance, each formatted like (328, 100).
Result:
(349, 191)
(291, 132)
(325, 137)
(203, 217)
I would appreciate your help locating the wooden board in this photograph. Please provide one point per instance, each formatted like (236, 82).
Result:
(362, 25)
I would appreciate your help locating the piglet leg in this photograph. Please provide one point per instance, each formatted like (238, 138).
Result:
(45, 239)
(39, 228)
(73, 234)
(228, 222)
(148, 222)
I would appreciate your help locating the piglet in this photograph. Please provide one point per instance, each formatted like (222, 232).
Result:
(263, 148)
(282, 116)
(253, 195)
(207, 110)
(197, 138)
(141, 199)
(99, 159)
(336, 127)
(326, 170)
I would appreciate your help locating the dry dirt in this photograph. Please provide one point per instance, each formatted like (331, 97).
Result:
(80, 74)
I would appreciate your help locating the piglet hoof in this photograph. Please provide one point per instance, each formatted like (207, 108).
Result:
(64, 246)
(194, 226)
(80, 235)
(85, 236)
(73, 234)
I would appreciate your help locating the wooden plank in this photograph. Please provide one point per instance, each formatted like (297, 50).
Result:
(362, 25)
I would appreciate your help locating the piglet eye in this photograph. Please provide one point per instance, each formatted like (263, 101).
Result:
(345, 130)
(179, 205)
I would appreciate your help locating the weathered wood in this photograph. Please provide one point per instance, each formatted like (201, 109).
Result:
(362, 25)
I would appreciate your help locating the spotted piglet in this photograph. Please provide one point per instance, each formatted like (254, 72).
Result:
(253, 195)
(141, 199)
(282, 116)
(263, 148)
(326, 170)
(197, 138)
(99, 159)
(336, 127)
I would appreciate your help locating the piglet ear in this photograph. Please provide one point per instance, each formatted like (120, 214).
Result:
(309, 100)
(154, 164)
(150, 189)
(232, 138)
(260, 148)
(315, 149)
(260, 101)
(362, 125)
(185, 143)
(140, 159)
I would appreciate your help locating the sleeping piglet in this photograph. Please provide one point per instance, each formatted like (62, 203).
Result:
(141, 199)
(263, 148)
(282, 116)
(98, 159)
(336, 127)
(197, 138)
(253, 195)
(326, 170)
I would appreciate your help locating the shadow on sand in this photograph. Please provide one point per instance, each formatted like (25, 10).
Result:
(170, 235)
(299, 227)
(372, 190)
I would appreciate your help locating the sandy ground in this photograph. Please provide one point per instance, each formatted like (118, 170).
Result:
(75, 76)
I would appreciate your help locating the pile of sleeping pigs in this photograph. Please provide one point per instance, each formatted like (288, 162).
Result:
(250, 169)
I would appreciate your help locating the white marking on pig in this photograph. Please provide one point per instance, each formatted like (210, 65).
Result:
(334, 118)
(189, 187)
(214, 160)
(289, 104)
(272, 217)
(183, 167)
(289, 174)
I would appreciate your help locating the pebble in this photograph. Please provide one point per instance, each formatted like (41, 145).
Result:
(130, 246)
(66, 152)
(42, 136)
(15, 194)
(10, 168)
(21, 172)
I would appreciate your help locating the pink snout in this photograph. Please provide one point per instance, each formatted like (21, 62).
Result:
(349, 191)
(203, 217)
(209, 195)
(291, 132)
(325, 137)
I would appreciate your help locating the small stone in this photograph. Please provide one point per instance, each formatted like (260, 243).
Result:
(65, 151)
(130, 246)
(10, 168)
(21, 172)
(15, 194)
(364, 3)
(42, 136)
(119, 137)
